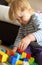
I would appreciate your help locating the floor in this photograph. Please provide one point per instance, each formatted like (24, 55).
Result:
(3, 64)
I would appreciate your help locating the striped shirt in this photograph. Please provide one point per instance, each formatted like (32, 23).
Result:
(34, 26)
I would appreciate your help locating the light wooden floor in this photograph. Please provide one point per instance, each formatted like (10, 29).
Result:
(3, 64)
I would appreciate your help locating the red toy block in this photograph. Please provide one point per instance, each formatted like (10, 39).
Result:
(20, 51)
(28, 55)
(11, 53)
(7, 52)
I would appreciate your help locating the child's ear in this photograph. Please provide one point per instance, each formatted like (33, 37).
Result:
(11, 13)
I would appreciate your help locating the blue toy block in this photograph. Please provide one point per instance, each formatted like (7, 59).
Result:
(18, 56)
(25, 59)
(12, 60)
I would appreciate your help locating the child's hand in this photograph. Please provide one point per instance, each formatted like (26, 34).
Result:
(26, 41)
(14, 49)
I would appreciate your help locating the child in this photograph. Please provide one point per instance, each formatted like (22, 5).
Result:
(30, 30)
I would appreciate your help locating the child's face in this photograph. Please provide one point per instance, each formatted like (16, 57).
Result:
(23, 16)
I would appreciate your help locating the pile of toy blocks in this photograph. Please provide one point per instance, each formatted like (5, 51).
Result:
(19, 58)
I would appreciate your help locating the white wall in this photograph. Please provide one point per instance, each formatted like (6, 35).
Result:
(4, 15)
(36, 4)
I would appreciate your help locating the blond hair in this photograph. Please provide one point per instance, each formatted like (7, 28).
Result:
(19, 5)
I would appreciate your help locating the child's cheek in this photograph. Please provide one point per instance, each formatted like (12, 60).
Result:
(25, 18)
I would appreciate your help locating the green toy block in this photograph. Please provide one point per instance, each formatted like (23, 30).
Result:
(34, 63)
(31, 60)
(7, 63)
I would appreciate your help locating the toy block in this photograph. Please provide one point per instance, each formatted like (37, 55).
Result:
(18, 56)
(34, 63)
(7, 63)
(20, 51)
(12, 60)
(28, 55)
(3, 56)
(7, 50)
(25, 63)
(2, 49)
(23, 55)
(11, 53)
(25, 59)
(31, 60)
(19, 62)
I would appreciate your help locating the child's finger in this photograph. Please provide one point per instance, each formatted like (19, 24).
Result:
(19, 45)
(24, 47)
(22, 44)
(14, 49)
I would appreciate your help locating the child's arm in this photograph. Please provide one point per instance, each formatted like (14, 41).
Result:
(38, 34)
(18, 39)
(26, 41)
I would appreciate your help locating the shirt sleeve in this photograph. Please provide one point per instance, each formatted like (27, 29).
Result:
(38, 33)
(19, 37)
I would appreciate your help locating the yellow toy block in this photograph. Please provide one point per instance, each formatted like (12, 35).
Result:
(3, 56)
(23, 55)
(19, 62)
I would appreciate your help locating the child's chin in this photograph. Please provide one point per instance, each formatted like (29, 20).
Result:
(24, 23)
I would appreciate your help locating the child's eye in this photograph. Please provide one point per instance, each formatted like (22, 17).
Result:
(21, 17)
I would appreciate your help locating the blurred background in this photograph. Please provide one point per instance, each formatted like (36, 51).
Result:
(36, 4)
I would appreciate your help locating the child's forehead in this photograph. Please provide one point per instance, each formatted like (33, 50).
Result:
(21, 10)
